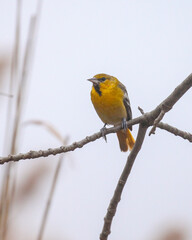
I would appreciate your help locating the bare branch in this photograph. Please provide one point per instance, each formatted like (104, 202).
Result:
(121, 183)
(157, 120)
(63, 149)
(141, 110)
(179, 91)
(175, 131)
(171, 129)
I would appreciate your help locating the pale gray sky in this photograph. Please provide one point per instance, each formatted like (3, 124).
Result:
(147, 45)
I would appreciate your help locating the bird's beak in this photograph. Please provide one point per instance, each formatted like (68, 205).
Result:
(93, 80)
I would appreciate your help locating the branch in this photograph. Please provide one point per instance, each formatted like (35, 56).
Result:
(169, 128)
(157, 120)
(170, 101)
(121, 183)
(146, 119)
(175, 131)
(64, 149)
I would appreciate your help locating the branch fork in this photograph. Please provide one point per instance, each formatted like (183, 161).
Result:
(164, 108)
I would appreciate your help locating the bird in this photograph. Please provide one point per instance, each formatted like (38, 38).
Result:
(111, 102)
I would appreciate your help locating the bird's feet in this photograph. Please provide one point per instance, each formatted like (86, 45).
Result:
(103, 131)
(124, 124)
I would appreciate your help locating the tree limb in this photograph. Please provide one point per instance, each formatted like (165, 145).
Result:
(121, 183)
(64, 149)
(169, 128)
(157, 120)
(175, 131)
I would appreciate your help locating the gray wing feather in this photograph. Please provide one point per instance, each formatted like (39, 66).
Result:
(126, 102)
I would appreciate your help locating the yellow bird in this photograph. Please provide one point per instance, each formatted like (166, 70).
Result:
(111, 102)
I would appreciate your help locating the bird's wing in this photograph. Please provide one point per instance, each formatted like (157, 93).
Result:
(126, 103)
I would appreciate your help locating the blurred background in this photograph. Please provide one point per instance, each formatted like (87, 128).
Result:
(147, 45)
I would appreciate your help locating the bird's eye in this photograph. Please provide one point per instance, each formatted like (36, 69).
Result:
(102, 79)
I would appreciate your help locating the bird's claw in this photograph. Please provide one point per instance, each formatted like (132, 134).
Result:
(103, 131)
(124, 124)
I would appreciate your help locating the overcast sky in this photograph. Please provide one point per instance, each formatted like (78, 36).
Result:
(147, 45)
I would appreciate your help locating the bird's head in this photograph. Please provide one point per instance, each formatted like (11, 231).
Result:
(103, 80)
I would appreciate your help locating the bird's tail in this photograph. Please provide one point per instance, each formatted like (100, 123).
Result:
(126, 140)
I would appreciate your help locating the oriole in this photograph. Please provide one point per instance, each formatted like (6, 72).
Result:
(111, 102)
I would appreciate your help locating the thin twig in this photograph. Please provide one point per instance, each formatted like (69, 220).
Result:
(164, 109)
(171, 129)
(121, 183)
(141, 110)
(63, 149)
(175, 131)
(157, 120)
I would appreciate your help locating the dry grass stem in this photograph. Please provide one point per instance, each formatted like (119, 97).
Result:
(49, 128)
(5, 192)
(50, 197)
(58, 136)
(9, 183)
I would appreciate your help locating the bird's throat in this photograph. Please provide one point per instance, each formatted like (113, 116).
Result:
(97, 89)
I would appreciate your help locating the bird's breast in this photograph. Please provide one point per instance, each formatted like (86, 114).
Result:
(109, 105)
